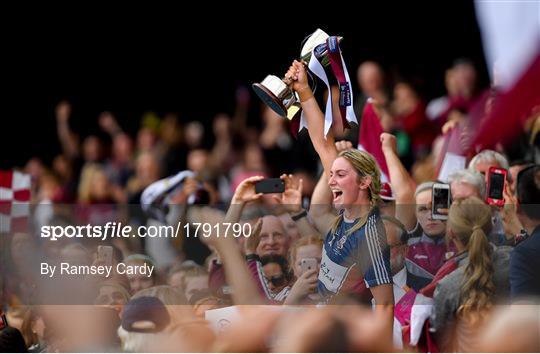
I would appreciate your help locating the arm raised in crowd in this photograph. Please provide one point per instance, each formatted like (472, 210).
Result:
(402, 183)
(236, 270)
(68, 139)
(291, 200)
(314, 116)
(108, 123)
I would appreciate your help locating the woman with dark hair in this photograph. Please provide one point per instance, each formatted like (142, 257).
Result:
(276, 272)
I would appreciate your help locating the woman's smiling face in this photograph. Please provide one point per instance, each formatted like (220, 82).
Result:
(344, 183)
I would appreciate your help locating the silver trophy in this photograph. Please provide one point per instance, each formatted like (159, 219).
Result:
(277, 93)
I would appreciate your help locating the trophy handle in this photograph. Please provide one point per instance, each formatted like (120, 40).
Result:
(288, 80)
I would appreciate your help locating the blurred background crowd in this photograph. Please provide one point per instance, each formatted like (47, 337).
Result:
(459, 270)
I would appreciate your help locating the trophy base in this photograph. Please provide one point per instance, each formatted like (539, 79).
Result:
(270, 99)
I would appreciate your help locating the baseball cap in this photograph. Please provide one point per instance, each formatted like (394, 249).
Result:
(145, 314)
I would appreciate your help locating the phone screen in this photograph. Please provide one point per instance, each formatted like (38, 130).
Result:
(496, 186)
(440, 199)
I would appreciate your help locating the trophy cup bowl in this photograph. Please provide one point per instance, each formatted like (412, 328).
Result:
(276, 93)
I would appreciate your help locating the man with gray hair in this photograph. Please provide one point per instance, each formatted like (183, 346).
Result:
(467, 183)
(485, 159)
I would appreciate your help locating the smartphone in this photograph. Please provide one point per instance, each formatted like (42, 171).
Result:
(270, 185)
(308, 264)
(495, 186)
(440, 200)
(104, 254)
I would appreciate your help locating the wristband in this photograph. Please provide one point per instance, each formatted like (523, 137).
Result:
(252, 257)
(299, 216)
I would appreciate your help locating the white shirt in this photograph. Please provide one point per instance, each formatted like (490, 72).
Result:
(400, 281)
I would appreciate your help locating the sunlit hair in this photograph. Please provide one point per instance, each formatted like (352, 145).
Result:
(470, 220)
(303, 241)
(471, 177)
(422, 187)
(364, 164)
(88, 174)
(141, 259)
(188, 269)
(486, 156)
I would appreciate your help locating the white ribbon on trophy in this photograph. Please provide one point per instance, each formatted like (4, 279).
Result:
(317, 68)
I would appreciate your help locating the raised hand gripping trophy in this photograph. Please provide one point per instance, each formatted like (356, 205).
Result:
(319, 53)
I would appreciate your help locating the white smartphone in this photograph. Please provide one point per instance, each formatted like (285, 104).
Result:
(308, 264)
(440, 199)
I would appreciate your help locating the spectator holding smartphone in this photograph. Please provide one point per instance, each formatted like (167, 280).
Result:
(465, 297)
(306, 248)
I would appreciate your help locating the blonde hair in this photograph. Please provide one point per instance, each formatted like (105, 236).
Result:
(88, 174)
(470, 220)
(365, 165)
(187, 269)
(304, 241)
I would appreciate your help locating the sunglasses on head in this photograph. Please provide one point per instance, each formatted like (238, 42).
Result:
(277, 280)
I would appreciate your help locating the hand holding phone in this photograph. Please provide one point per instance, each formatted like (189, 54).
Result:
(440, 200)
(308, 264)
(495, 186)
(270, 185)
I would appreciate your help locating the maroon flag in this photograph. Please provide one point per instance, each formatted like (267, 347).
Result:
(511, 40)
(370, 141)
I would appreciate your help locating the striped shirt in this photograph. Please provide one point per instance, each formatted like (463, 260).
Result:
(356, 261)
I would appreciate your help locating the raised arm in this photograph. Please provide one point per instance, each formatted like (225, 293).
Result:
(402, 183)
(291, 200)
(314, 116)
(236, 270)
(68, 140)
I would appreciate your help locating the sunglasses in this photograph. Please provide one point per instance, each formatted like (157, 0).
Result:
(277, 280)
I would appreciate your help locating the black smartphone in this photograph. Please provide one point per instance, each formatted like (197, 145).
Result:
(270, 185)
(440, 200)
